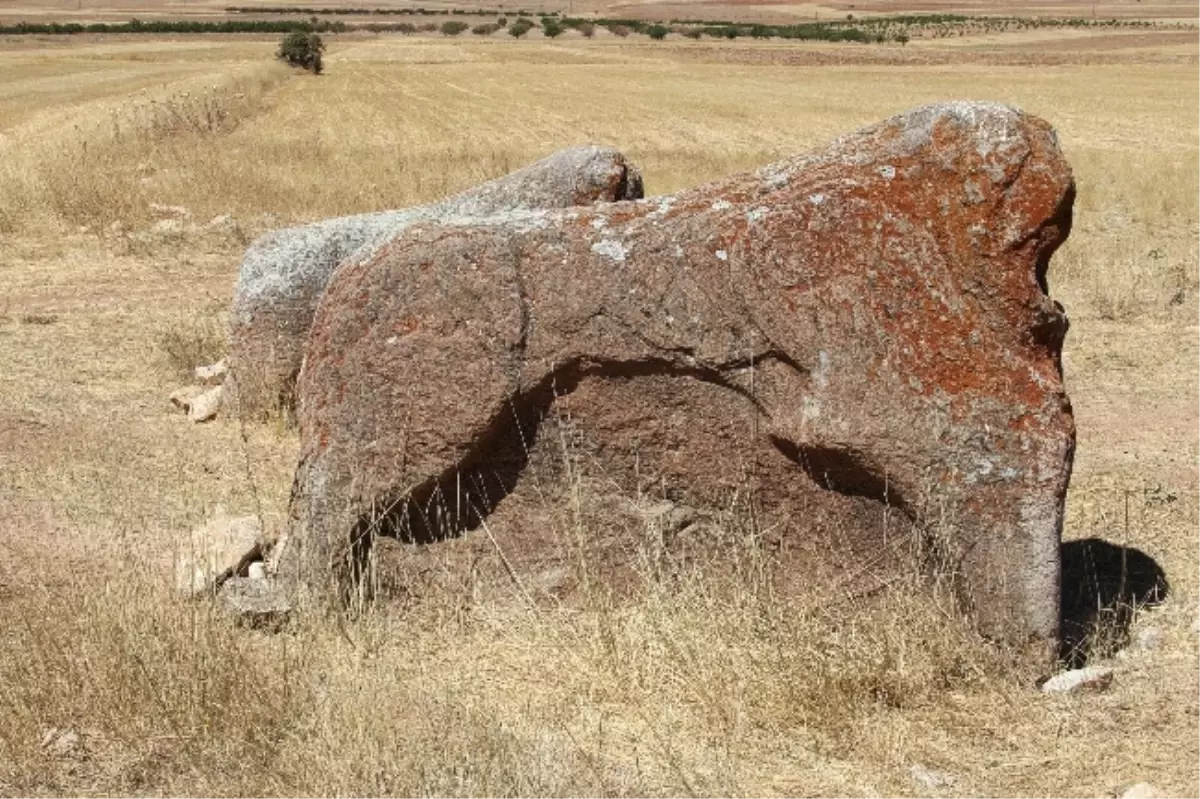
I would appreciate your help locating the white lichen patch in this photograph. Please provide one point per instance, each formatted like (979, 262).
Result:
(664, 207)
(775, 180)
(810, 409)
(721, 255)
(887, 171)
(757, 214)
(612, 249)
(722, 205)
(816, 199)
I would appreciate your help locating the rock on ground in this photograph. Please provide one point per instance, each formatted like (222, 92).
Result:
(212, 374)
(205, 406)
(860, 337)
(284, 273)
(1091, 678)
(183, 398)
(257, 602)
(214, 551)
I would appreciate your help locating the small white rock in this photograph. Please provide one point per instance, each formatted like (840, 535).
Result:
(212, 374)
(1149, 639)
(167, 227)
(205, 406)
(214, 550)
(170, 210)
(60, 742)
(1091, 678)
(928, 778)
(183, 398)
(1142, 790)
(257, 570)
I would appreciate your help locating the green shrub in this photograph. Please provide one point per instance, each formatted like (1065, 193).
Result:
(658, 32)
(407, 28)
(619, 30)
(302, 50)
(551, 28)
(519, 28)
(428, 27)
(502, 22)
(453, 27)
(486, 29)
(587, 29)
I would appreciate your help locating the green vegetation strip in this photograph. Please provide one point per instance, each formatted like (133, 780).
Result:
(851, 29)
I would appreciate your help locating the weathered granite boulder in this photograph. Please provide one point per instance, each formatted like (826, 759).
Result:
(858, 336)
(284, 272)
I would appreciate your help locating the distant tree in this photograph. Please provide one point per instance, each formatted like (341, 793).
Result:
(587, 29)
(619, 30)
(658, 32)
(407, 28)
(453, 27)
(551, 28)
(303, 50)
(486, 29)
(519, 28)
(502, 22)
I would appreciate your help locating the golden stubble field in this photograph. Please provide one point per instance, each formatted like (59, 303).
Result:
(108, 295)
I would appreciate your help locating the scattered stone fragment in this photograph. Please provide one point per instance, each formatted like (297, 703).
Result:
(1090, 678)
(215, 551)
(60, 742)
(182, 398)
(167, 227)
(222, 222)
(929, 778)
(176, 211)
(258, 603)
(1143, 790)
(205, 406)
(257, 570)
(212, 374)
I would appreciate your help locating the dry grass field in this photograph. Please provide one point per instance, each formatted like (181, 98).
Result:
(108, 298)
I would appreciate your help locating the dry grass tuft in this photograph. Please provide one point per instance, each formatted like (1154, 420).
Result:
(154, 689)
(667, 691)
(193, 341)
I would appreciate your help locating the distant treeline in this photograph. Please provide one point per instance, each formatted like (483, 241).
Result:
(174, 26)
(473, 12)
(850, 29)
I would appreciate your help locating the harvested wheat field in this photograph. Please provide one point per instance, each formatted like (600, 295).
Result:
(134, 172)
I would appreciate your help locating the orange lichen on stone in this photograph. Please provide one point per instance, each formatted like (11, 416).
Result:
(862, 324)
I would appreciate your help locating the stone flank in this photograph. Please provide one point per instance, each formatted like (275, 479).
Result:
(861, 336)
(284, 272)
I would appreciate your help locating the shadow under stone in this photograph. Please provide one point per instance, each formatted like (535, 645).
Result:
(1102, 585)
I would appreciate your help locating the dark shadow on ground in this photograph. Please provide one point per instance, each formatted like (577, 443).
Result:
(1102, 585)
